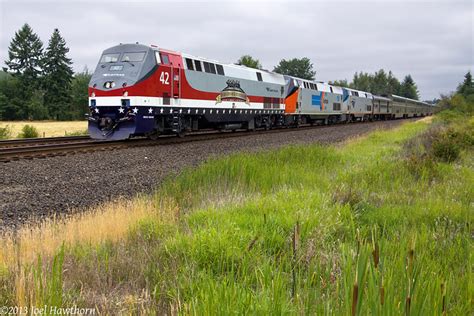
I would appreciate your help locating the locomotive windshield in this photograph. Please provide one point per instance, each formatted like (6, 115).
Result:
(109, 58)
(138, 56)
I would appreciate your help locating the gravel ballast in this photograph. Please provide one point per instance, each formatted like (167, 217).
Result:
(34, 189)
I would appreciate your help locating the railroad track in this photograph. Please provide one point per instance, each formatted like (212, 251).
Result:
(61, 146)
(9, 143)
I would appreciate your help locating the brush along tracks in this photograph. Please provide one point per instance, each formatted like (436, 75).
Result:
(11, 150)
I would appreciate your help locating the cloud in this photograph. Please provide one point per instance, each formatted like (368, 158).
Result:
(431, 40)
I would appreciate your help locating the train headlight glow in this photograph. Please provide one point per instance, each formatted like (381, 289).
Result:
(107, 85)
(125, 94)
(93, 95)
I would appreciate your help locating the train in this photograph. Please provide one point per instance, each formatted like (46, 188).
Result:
(145, 91)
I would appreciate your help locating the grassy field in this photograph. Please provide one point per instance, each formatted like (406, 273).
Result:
(380, 225)
(47, 128)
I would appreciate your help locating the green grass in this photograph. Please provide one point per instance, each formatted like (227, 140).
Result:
(236, 255)
(306, 229)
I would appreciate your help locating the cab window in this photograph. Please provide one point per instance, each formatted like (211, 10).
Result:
(133, 56)
(110, 58)
(165, 59)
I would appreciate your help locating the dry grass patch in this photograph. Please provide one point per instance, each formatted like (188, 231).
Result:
(109, 222)
(47, 128)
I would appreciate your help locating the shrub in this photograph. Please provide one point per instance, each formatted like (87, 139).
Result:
(5, 132)
(446, 148)
(28, 131)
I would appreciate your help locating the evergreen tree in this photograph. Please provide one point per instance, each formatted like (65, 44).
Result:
(409, 89)
(301, 68)
(25, 54)
(249, 61)
(467, 87)
(57, 77)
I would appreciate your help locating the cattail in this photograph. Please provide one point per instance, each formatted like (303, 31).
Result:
(407, 305)
(443, 293)
(296, 237)
(355, 297)
(376, 255)
(252, 243)
(382, 295)
(264, 218)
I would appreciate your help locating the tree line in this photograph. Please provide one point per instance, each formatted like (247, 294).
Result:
(380, 83)
(39, 83)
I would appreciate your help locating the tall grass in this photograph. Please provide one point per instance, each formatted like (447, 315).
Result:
(302, 230)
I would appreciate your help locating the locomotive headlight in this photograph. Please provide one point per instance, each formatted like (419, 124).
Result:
(93, 95)
(112, 84)
(107, 85)
(125, 94)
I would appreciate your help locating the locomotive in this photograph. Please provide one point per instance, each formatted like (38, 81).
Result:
(139, 90)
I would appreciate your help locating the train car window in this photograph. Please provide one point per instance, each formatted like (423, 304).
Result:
(136, 57)
(110, 58)
(220, 70)
(189, 64)
(213, 68)
(197, 64)
(259, 76)
(336, 106)
(356, 94)
(330, 88)
(165, 59)
(207, 68)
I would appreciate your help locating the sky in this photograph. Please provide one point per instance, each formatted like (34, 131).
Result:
(431, 40)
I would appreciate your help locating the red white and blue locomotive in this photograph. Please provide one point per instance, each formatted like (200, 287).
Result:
(139, 90)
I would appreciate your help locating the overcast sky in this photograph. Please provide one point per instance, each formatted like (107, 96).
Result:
(431, 40)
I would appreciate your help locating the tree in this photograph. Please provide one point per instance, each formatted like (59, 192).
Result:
(301, 68)
(25, 54)
(393, 85)
(362, 81)
(340, 83)
(36, 110)
(466, 87)
(12, 103)
(57, 77)
(80, 96)
(409, 89)
(249, 61)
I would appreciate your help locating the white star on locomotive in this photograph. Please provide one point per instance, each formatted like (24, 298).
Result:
(150, 110)
(121, 110)
(96, 110)
(135, 110)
